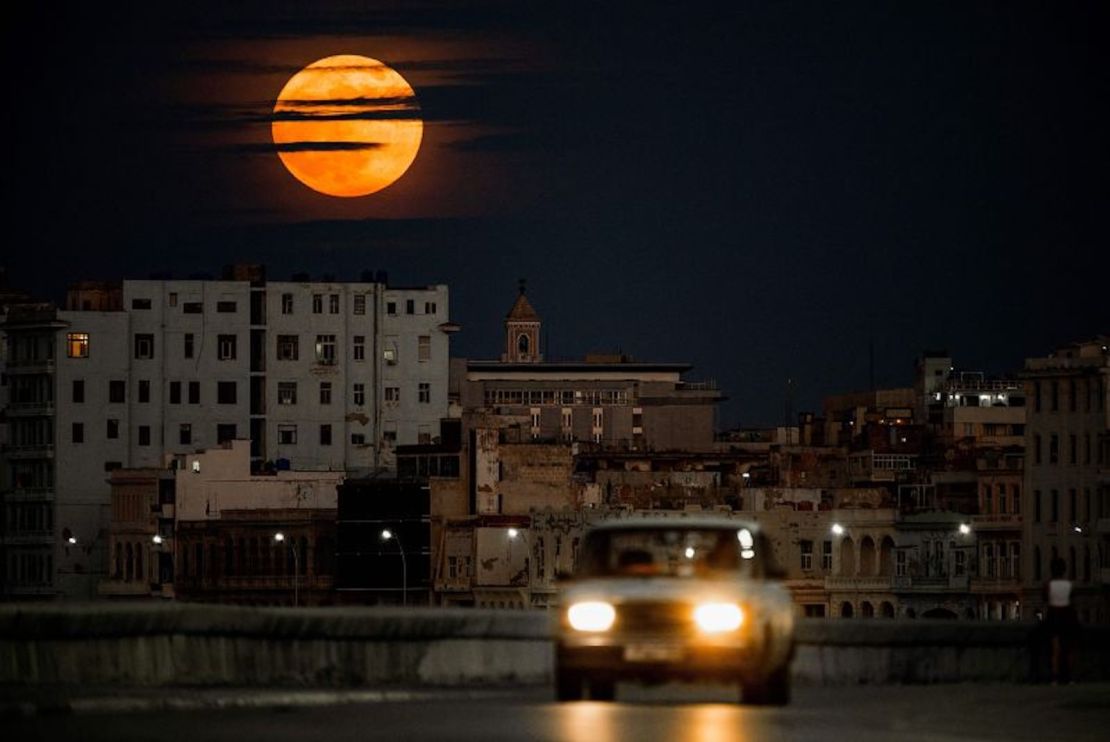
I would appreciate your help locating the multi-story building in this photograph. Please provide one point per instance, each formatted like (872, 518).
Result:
(606, 400)
(1067, 445)
(317, 375)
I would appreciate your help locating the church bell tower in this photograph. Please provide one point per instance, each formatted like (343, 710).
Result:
(522, 332)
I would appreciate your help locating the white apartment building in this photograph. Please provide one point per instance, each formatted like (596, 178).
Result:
(317, 375)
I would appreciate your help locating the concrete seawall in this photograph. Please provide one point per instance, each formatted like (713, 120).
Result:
(194, 644)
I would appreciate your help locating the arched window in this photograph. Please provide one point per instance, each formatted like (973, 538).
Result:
(886, 560)
(139, 562)
(846, 610)
(1036, 563)
(886, 609)
(523, 342)
(867, 556)
(129, 563)
(866, 609)
(119, 561)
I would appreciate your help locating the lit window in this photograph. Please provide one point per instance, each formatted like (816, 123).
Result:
(325, 349)
(225, 347)
(393, 394)
(77, 345)
(287, 392)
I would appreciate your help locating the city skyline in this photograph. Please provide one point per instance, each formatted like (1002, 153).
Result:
(763, 193)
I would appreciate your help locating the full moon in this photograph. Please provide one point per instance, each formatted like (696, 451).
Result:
(347, 126)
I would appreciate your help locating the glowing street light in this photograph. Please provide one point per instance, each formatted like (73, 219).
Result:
(513, 534)
(965, 529)
(279, 538)
(72, 540)
(837, 529)
(388, 535)
(157, 539)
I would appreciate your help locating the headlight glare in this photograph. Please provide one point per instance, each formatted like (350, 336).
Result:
(591, 615)
(714, 618)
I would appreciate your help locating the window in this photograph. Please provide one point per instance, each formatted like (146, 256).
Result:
(226, 307)
(1071, 395)
(144, 391)
(392, 394)
(358, 439)
(360, 394)
(194, 392)
(424, 348)
(1036, 448)
(1054, 449)
(389, 435)
(1073, 510)
(78, 390)
(225, 432)
(360, 303)
(288, 347)
(900, 563)
(112, 465)
(807, 555)
(287, 392)
(111, 429)
(225, 347)
(77, 432)
(185, 434)
(226, 392)
(1054, 388)
(389, 353)
(391, 307)
(286, 303)
(77, 345)
(359, 350)
(826, 556)
(1055, 506)
(429, 307)
(1072, 449)
(1037, 396)
(144, 435)
(175, 392)
(140, 303)
(959, 562)
(188, 345)
(325, 392)
(1015, 498)
(1036, 506)
(424, 392)
(1086, 448)
(144, 346)
(325, 435)
(287, 435)
(117, 391)
(325, 349)
(333, 303)
(317, 303)
(1036, 563)
(192, 307)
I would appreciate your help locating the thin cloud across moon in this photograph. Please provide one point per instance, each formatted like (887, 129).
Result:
(347, 126)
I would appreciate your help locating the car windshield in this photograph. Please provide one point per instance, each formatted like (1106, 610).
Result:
(671, 552)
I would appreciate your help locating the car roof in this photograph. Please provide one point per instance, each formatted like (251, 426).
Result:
(673, 520)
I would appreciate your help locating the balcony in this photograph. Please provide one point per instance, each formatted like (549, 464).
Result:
(30, 366)
(992, 585)
(26, 451)
(30, 494)
(875, 583)
(43, 408)
(996, 522)
(932, 584)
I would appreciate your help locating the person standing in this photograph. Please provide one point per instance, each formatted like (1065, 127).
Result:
(1060, 621)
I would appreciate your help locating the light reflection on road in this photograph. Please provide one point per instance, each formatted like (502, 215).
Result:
(611, 722)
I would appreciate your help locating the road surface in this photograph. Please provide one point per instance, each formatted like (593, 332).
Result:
(939, 712)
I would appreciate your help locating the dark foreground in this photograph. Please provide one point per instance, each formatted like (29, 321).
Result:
(938, 712)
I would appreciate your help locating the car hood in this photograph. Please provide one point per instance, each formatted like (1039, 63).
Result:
(664, 589)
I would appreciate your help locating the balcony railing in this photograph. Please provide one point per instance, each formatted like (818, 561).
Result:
(995, 584)
(877, 583)
(996, 522)
(44, 407)
(938, 583)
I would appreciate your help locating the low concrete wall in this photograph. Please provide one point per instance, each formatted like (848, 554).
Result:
(192, 644)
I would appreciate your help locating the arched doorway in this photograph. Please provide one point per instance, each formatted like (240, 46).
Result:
(866, 609)
(867, 556)
(939, 613)
(886, 609)
(847, 557)
(886, 557)
(846, 610)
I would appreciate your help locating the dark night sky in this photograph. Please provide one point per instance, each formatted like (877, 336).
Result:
(761, 191)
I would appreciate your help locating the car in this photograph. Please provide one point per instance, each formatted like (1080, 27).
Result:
(660, 598)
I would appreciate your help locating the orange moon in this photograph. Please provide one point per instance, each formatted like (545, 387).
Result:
(347, 126)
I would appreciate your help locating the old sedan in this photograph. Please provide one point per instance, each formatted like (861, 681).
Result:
(688, 598)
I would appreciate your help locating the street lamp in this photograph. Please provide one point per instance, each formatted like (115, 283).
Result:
(388, 535)
(965, 529)
(279, 538)
(837, 529)
(157, 539)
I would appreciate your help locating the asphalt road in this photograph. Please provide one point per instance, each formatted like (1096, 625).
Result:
(942, 712)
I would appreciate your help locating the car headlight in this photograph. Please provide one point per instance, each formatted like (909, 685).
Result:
(714, 618)
(591, 615)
